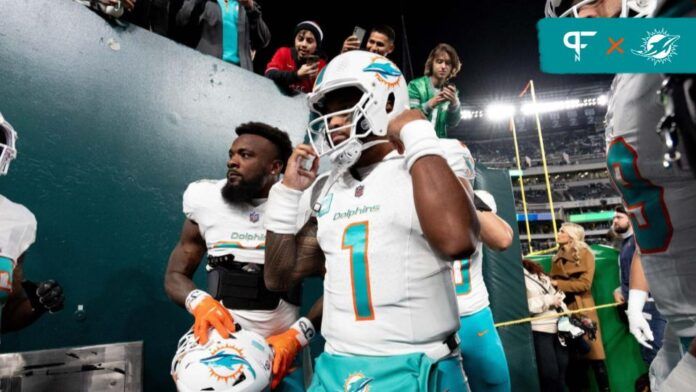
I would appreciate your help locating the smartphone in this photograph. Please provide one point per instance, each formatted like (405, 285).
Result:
(306, 163)
(360, 33)
(311, 59)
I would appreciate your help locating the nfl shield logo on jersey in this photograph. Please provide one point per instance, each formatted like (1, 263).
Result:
(254, 216)
(359, 190)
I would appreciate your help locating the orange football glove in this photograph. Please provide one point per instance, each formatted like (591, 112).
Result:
(286, 345)
(209, 313)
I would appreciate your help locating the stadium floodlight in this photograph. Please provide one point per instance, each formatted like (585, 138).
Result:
(500, 111)
(531, 108)
(470, 114)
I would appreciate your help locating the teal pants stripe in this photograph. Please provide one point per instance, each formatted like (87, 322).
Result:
(483, 356)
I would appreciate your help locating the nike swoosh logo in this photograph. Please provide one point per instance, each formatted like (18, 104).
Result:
(485, 331)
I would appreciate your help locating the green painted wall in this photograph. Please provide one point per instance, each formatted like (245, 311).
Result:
(114, 123)
(108, 141)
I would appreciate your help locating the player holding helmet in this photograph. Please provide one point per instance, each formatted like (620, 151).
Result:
(224, 218)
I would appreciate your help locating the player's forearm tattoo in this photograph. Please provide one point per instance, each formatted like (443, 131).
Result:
(289, 258)
(280, 260)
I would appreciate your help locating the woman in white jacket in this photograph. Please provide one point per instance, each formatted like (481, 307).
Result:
(544, 299)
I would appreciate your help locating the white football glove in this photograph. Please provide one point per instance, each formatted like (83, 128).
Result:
(637, 323)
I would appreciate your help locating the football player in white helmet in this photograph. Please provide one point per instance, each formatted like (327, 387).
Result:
(22, 301)
(386, 225)
(238, 363)
(600, 8)
(224, 219)
(659, 200)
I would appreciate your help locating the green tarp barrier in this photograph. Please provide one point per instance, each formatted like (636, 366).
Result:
(502, 272)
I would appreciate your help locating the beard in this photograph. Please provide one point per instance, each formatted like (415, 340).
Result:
(244, 192)
(621, 230)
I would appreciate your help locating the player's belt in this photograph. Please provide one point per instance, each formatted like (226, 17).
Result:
(240, 286)
(445, 349)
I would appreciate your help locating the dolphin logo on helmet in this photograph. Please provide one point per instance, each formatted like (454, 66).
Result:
(239, 363)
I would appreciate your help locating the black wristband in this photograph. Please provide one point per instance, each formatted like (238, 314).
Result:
(481, 205)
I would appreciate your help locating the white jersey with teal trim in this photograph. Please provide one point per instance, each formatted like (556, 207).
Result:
(227, 228)
(236, 229)
(17, 229)
(660, 201)
(471, 291)
(386, 291)
(472, 294)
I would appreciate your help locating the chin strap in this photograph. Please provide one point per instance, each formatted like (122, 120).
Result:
(342, 160)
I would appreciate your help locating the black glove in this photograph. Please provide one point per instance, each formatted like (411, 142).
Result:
(46, 296)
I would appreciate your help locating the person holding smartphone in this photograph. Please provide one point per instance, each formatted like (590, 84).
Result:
(434, 94)
(295, 69)
(380, 41)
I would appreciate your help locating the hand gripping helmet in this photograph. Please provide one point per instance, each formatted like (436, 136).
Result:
(240, 363)
(383, 95)
(8, 149)
(571, 8)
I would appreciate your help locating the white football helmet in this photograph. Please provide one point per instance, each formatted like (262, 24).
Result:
(8, 145)
(571, 8)
(240, 363)
(105, 7)
(379, 82)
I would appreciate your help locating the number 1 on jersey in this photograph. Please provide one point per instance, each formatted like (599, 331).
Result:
(355, 239)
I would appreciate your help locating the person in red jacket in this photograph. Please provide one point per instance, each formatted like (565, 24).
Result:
(295, 69)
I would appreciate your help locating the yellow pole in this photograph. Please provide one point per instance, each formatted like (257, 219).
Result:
(543, 161)
(520, 179)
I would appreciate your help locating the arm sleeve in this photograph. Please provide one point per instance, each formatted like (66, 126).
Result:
(276, 69)
(189, 202)
(189, 12)
(260, 34)
(459, 158)
(415, 99)
(17, 230)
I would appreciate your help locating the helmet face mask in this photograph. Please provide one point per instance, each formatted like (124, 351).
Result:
(240, 363)
(8, 149)
(320, 132)
(379, 94)
(571, 8)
